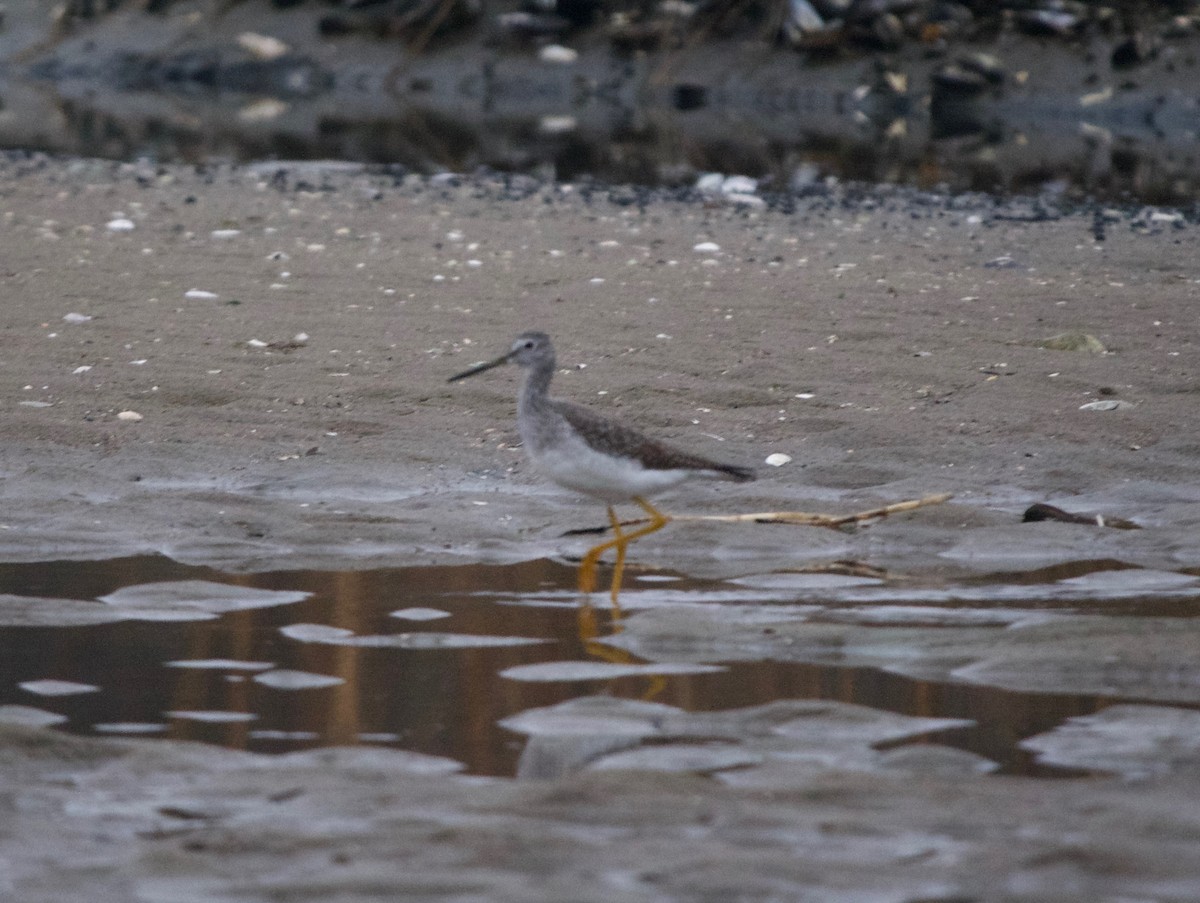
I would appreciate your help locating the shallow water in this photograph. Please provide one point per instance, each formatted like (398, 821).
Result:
(442, 701)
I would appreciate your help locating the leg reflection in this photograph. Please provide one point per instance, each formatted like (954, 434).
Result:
(620, 542)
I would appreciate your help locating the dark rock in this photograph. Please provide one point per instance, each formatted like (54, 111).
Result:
(1041, 511)
(1055, 23)
(532, 25)
(631, 37)
(984, 64)
(802, 20)
(869, 10)
(1133, 51)
(888, 32)
(833, 9)
(955, 78)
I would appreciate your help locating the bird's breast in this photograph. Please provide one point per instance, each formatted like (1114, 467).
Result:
(572, 463)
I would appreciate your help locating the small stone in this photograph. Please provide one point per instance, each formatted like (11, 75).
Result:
(130, 416)
(261, 46)
(739, 185)
(557, 125)
(556, 53)
(263, 110)
(1073, 341)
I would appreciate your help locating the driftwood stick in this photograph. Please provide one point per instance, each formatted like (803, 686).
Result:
(816, 519)
(796, 518)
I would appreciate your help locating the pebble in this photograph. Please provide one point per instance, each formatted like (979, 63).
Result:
(130, 416)
(557, 125)
(261, 46)
(739, 185)
(745, 200)
(556, 53)
(262, 110)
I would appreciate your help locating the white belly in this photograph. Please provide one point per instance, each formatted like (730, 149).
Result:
(574, 465)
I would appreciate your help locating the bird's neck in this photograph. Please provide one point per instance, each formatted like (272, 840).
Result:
(535, 392)
(536, 388)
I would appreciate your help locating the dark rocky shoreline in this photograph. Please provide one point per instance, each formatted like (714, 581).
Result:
(1103, 108)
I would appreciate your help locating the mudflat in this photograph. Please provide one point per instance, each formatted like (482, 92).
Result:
(246, 368)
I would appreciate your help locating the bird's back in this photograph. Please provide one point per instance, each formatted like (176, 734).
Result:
(609, 437)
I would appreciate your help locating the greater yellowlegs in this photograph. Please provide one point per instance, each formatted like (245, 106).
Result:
(594, 455)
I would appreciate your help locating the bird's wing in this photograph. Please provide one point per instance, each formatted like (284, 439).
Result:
(613, 438)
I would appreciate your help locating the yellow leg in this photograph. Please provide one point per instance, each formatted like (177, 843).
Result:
(620, 541)
(589, 631)
(619, 566)
(587, 567)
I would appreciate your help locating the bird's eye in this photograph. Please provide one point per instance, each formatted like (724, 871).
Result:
(529, 344)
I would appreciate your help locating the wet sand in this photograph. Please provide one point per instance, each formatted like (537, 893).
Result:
(296, 414)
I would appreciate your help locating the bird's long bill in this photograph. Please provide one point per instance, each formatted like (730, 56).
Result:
(479, 368)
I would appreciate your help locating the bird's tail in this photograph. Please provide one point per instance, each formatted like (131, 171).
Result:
(735, 473)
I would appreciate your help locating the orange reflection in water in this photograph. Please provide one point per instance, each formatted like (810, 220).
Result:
(439, 701)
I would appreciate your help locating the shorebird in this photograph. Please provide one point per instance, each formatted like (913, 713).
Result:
(594, 455)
